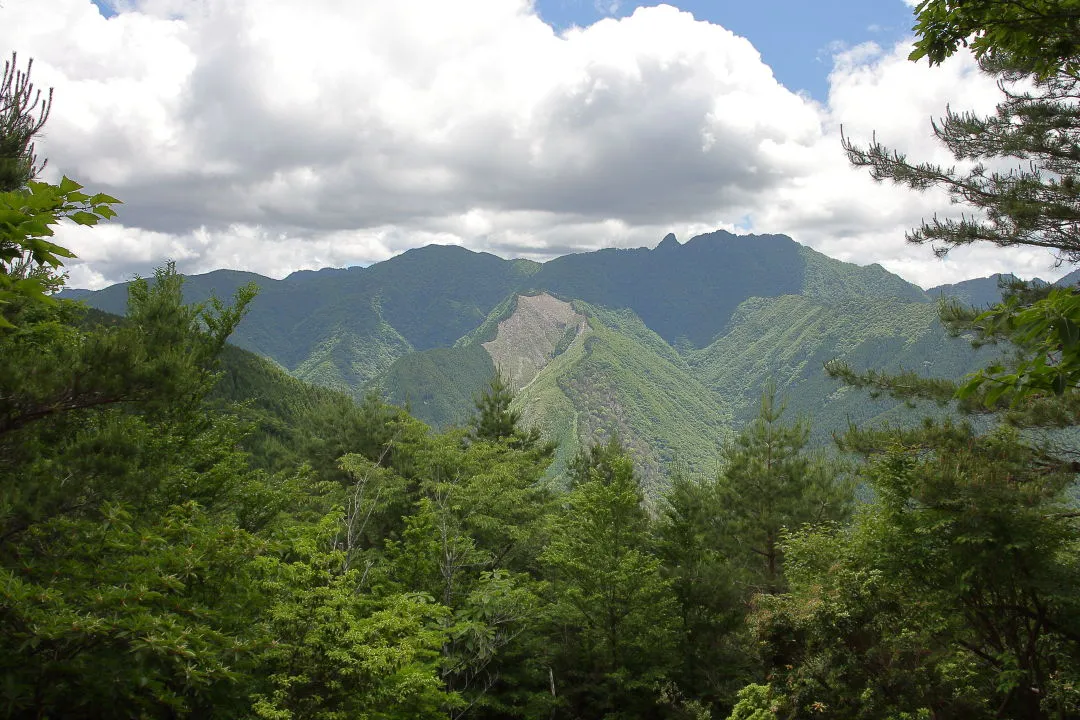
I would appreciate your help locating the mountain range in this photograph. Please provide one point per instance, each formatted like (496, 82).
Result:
(670, 347)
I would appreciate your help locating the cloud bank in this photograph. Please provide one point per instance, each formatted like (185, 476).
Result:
(254, 135)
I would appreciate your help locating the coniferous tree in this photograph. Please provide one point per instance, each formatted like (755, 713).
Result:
(466, 530)
(613, 610)
(770, 482)
(148, 567)
(127, 515)
(497, 421)
(694, 544)
(22, 115)
(1036, 203)
(953, 595)
(494, 419)
(1031, 48)
(721, 539)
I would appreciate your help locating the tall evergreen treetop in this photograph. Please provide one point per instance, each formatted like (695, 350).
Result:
(495, 420)
(22, 115)
(769, 482)
(613, 610)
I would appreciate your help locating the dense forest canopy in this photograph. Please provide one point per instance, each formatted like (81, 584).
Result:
(188, 531)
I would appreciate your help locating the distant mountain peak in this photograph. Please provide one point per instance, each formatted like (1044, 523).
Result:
(670, 242)
(714, 235)
(976, 292)
(1069, 280)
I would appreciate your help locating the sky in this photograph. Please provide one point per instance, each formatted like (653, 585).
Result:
(273, 136)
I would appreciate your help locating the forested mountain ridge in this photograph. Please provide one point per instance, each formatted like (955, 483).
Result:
(432, 296)
(340, 328)
(669, 348)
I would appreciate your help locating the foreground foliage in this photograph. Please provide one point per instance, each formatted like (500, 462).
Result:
(952, 595)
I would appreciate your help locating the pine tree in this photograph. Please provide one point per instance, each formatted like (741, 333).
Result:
(770, 482)
(1031, 48)
(613, 609)
(495, 420)
(22, 115)
(693, 542)
(1037, 202)
(953, 594)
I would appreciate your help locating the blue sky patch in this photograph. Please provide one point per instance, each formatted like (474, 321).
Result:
(796, 38)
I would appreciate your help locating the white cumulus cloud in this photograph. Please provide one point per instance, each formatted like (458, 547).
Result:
(259, 135)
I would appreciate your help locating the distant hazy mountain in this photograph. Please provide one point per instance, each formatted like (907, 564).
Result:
(668, 347)
(982, 292)
(687, 293)
(1071, 280)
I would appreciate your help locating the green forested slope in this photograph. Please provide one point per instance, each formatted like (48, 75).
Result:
(341, 328)
(291, 421)
(616, 377)
(354, 352)
(828, 279)
(435, 294)
(790, 338)
(188, 531)
(619, 377)
(440, 385)
(344, 327)
(682, 292)
(979, 292)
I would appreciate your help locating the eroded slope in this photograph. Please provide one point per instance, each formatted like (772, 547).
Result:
(526, 341)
